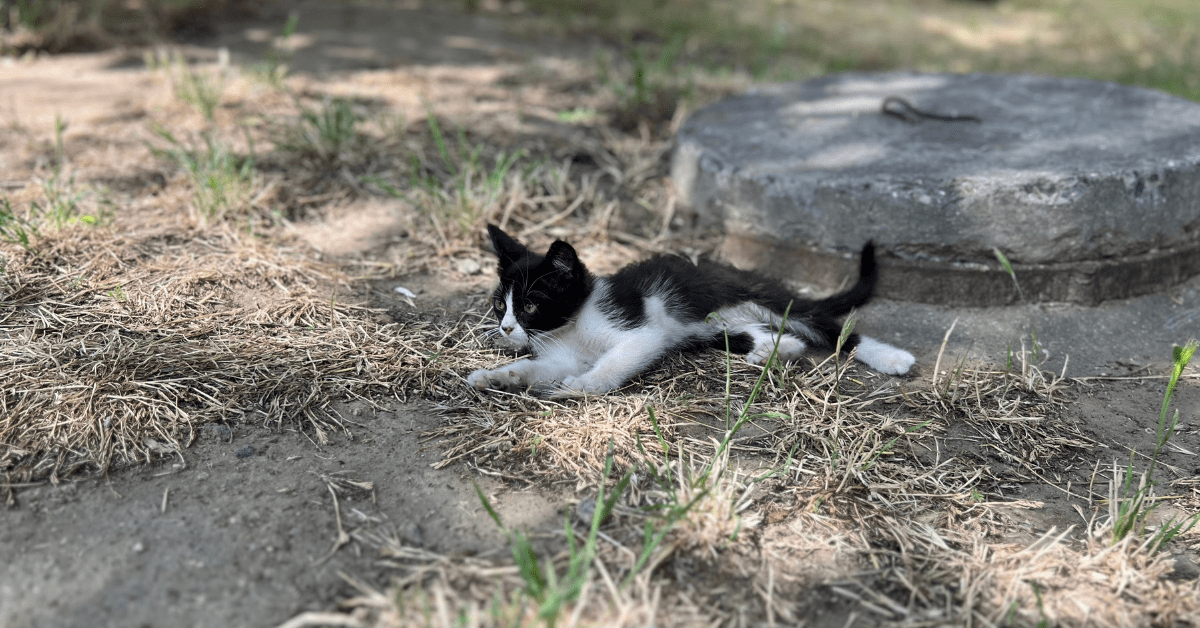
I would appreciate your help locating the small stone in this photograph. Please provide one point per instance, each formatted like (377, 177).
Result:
(1184, 568)
(468, 266)
(411, 534)
(244, 452)
(217, 431)
(138, 548)
(585, 510)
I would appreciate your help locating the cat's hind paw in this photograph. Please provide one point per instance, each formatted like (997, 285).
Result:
(883, 357)
(790, 348)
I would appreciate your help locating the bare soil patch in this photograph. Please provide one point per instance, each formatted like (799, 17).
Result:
(244, 531)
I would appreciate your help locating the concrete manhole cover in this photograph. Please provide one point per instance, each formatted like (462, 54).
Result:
(1091, 190)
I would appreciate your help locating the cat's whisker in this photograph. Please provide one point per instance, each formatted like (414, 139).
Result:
(543, 345)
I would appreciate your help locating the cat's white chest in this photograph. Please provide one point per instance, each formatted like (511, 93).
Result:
(588, 337)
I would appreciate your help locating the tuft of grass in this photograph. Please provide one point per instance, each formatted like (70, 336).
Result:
(647, 87)
(60, 207)
(14, 228)
(549, 590)
(323, 134)
(60, 127)
(1030, 362)
(706, 501)
(458, 186)
(198, 88)
(274, 67)
(1129, 507)
(222, 181)
(684, 489)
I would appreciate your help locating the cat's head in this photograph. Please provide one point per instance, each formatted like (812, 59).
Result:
(537, 293)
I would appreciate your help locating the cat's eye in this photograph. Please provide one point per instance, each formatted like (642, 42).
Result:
(498, 304)
(530, 308)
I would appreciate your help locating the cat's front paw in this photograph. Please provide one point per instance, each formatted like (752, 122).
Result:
(499, 379)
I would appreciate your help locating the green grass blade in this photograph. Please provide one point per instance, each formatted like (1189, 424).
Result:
(1009, 269)
(487, 505)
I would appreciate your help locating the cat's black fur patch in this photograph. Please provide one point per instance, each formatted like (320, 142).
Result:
(693, 291)
(557, 283)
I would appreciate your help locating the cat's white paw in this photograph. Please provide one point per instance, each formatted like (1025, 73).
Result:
(479, 379)
(499, 379)
(883, 357)
(790, 348)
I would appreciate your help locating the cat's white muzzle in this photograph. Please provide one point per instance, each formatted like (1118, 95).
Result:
(516, 339)
(511, 332)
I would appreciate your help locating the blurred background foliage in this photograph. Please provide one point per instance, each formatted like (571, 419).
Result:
(1153, 43)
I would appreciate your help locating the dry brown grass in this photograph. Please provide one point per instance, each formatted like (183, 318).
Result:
(117, 349)
(861, 508)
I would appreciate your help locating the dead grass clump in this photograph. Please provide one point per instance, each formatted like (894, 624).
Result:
(1102, 585)
(1056, 582)
(115, 350)
(440, 591)
(717, 517)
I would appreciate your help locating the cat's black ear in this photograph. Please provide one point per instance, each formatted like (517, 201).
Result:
(564, 260)
(507, 249)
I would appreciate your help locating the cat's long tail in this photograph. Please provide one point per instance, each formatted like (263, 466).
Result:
(860, 293)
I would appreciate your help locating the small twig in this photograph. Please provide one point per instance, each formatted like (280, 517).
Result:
(342, 537)
(318, 618)
(938, 364)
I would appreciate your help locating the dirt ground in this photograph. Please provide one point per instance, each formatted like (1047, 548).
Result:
(242, 526)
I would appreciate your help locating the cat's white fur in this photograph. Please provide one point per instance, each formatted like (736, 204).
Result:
(592, 356)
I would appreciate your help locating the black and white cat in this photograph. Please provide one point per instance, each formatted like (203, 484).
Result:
(589, 335)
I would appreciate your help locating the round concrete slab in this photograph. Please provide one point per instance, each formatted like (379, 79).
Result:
(1091, 190)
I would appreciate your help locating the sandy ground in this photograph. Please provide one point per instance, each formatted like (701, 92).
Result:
(241, 529)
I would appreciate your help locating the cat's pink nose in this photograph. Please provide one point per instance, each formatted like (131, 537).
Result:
(508, 329)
